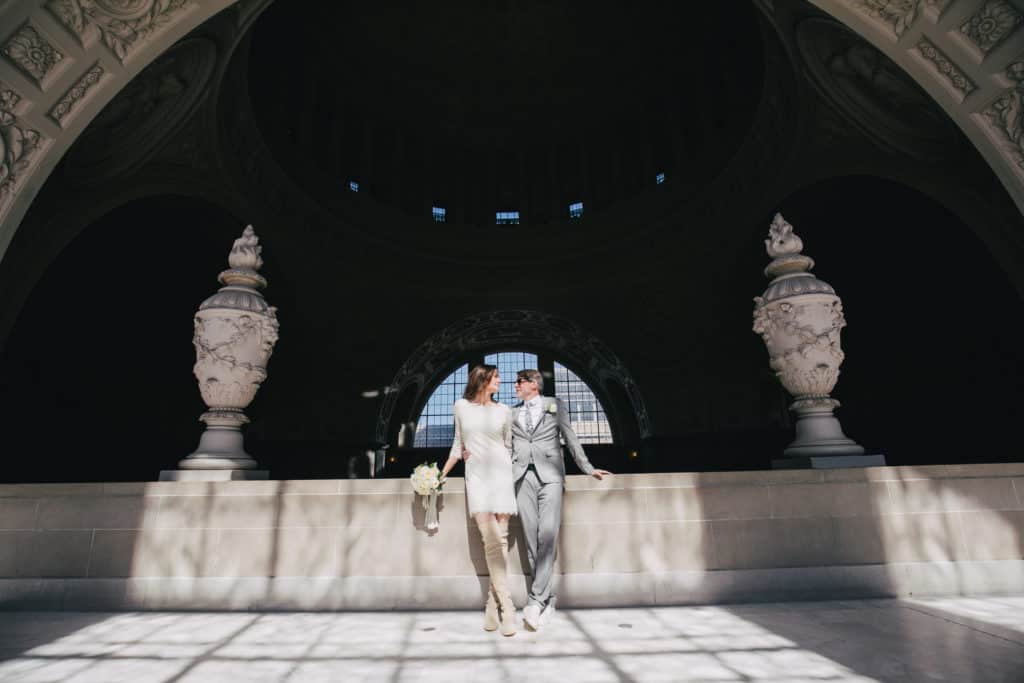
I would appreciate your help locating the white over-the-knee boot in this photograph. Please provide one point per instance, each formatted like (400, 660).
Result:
(491, 609)
(497, 565)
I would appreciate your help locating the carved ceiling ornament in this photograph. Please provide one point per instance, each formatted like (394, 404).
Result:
(32, 53)
(872, 92)
(897, 15)
(991, 25)
(426, 365)
(1005, 116)
(17, 143)
(62, 109)
(122, 24)
(148, 111)
(945, 66)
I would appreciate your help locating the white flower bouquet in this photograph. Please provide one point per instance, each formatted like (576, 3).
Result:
(426, 482)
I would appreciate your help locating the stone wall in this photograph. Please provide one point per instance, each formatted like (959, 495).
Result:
(672, 538)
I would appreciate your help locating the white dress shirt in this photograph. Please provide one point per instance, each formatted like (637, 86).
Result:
(536, 407)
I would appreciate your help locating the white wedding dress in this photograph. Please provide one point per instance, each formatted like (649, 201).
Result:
(486, 432)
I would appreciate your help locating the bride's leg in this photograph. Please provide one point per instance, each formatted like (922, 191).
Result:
(502, 521)
(508, 608)
(491, 607)
(497, 566)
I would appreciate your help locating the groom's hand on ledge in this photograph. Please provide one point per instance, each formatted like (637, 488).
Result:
(600, 474)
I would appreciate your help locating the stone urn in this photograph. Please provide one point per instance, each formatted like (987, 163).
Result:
(235, 333)
(799, 317)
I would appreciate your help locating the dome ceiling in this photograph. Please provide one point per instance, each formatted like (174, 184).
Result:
(503, 106)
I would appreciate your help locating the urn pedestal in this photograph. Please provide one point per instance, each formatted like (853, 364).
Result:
(799, 317)
(235, 333)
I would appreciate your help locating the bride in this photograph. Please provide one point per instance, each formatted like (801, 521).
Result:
(483, 427)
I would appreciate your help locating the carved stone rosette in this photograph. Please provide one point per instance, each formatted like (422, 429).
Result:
(799, 317)
(235, 333)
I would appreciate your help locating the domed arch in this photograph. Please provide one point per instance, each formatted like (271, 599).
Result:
(66, 59)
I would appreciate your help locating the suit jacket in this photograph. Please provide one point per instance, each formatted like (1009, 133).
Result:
(543, 443)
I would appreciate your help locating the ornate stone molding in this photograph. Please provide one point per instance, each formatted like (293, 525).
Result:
(946, 67)
(119, 36)
(957, 51)
(32, 53)
(872, 92)
(121, 24)
(896, 15)
(990, 25)
(62, 109)
(17, 143)
(146, 113)
(1005, 116)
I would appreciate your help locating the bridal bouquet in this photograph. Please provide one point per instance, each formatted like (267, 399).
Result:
(426, 481)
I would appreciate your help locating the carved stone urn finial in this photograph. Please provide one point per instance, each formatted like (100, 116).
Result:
(235, 333)
(799, 318)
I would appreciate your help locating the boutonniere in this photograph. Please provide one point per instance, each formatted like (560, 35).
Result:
(552, 408)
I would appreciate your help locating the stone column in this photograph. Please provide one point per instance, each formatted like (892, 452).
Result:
(235, 333)
(799, 317)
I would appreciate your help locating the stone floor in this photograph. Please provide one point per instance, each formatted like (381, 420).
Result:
(951, 639)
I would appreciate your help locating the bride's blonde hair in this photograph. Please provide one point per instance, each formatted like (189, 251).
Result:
(479, 377)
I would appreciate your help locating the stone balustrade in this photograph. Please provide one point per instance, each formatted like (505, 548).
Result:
(650, 539)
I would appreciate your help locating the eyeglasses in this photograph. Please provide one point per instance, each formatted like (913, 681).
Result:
(520, 380)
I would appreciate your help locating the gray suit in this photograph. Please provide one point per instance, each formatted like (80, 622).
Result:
(539, 488)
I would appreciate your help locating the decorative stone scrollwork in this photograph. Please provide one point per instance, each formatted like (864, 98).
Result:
(60, 111)
(872, 92)
(945, 66)
(16, 143)
(811, 366)
(1005, 116)
(149, 111)
(898, 15)
(990, 25)
(122, 24)
(31, 53)
(220, 342)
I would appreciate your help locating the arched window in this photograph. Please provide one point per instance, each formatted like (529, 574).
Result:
(586, 414)
(435, 425)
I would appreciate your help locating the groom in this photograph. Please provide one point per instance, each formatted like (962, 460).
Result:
(539, 469)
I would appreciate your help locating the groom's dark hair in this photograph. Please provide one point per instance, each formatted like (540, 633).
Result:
(533, 376)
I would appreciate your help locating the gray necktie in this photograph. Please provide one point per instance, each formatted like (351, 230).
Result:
(527, 418)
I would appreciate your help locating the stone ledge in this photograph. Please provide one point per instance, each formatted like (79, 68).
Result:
(573, 482)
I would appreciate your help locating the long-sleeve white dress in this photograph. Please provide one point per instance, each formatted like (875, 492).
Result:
(486, 432)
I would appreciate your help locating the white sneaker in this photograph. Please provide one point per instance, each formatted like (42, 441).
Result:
(545, 616)
(531, 616)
